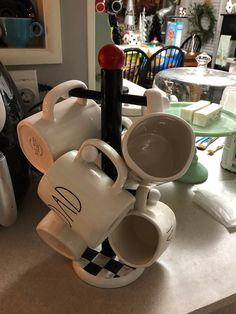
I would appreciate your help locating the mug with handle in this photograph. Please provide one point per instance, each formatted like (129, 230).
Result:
(158, 147)
(157, 101)
(85, 197)
(59, 127)
(16, 32)
(59, 236)
(146, 232)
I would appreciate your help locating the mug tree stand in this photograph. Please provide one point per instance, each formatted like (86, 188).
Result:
(100, 267)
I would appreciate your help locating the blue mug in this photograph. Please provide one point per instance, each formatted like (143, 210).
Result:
(16, 32)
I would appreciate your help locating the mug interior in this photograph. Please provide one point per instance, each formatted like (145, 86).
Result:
(160, 146)
(135, 240)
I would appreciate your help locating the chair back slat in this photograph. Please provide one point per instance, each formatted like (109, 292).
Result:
(192, 44)
(165, 58)
(135, 65)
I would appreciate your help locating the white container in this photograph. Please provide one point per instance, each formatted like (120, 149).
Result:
(228, 160)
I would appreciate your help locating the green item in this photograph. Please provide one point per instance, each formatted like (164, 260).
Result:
(225, 126)
(196, 173)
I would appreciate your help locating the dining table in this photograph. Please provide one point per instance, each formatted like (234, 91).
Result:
(148, 48)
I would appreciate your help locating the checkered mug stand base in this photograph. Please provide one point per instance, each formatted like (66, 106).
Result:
(99, 270)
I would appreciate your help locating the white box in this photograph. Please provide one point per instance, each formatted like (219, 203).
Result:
(188, 111)
(207, 115)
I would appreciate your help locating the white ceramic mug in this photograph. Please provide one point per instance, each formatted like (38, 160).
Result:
(158, 147)
(59, 127)
(59, 236)
(86, 198)
(16, 32)
(157, 101)
(146, 232)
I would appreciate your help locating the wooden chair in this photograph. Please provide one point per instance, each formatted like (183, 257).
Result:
(165, 58)
(192, 44)
(134, 68)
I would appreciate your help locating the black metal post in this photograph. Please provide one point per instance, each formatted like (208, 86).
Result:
(111, 60)
(111, 88)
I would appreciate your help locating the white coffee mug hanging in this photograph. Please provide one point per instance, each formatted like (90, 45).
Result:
(60, 126)
(83, 195)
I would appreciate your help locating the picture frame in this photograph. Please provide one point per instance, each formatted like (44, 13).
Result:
(51, 53)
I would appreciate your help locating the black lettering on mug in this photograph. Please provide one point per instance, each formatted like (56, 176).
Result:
(68, 204)
(69, 196)
(64, 217)
(170, 233)
(36, 147)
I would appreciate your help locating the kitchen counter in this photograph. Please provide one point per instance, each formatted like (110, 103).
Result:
(196, 274)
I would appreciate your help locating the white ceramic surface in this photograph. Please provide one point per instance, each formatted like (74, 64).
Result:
(8, 207)
(60, 237)
(103, 280)
(146, 232)
(157, 101)
(2, 114)
(87, 199)
(159, 147)
(59, 127)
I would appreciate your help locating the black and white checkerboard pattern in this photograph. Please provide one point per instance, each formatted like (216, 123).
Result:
(97, 264)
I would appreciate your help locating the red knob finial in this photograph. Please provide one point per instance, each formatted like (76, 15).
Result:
(111, 57)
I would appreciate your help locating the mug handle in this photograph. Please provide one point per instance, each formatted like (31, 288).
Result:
(112, 154)
(39, 29)
(59, 91)
(126, 122)
(157, 100)
(146, 195)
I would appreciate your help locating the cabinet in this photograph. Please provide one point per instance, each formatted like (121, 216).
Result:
(228, 27)
(50, 51)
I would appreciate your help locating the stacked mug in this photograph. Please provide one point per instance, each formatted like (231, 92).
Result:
(86, 205)
(16, 32)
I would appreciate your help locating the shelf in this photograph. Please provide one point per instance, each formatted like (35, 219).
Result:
(49, 15)
(227, 14)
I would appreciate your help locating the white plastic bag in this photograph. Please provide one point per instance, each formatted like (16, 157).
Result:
(219, 200)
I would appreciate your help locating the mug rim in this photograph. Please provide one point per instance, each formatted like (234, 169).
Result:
(38, 165)
(139, 171)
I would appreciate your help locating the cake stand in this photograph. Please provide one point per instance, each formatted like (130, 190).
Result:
(225, 126)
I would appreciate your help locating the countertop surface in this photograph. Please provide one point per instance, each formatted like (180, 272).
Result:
(195, 274)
